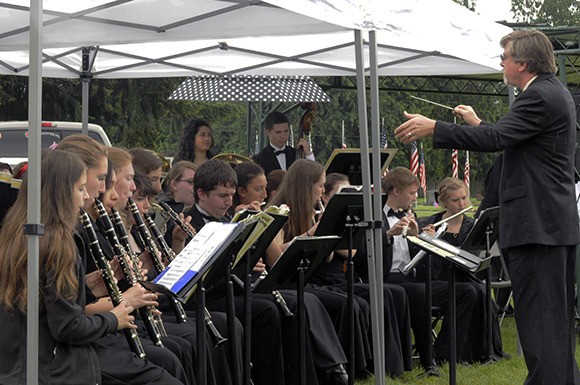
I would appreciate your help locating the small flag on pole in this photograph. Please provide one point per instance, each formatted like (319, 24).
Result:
(383, 134)
(414, 160)
(343, 142)
(466, 171)
(422, 175)
(454, 164)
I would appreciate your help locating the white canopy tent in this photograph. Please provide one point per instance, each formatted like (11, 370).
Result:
(252, 38)
(148, 38)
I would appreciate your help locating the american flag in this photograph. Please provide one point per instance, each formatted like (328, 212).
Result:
(414, 160)
(383, 134)
(466, 171)
(454, 164)
(342, 136)
(422, 175)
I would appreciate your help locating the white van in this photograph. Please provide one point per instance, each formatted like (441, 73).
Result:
(14, 138)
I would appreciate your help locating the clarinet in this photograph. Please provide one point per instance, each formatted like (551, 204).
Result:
(278, 297)
(112, 288)
(169, 255)
(175, 217)
(153, 324)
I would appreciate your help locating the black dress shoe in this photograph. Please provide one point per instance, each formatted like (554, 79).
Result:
(336, 375)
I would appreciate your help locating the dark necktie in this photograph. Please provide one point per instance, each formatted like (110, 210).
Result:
(399, 213)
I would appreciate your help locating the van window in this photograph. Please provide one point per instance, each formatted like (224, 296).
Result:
(14, 143)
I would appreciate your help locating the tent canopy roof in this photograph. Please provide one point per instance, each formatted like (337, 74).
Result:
(161, 38)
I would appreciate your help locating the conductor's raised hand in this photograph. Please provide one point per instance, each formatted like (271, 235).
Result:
(467, 114)
(124, 318)
(416, 127)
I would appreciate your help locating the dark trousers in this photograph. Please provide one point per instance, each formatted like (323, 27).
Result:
(421, 322)
(543, 285)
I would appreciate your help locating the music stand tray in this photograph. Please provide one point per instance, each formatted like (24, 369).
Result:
(259, 249)
(211, 246)
(348, 161)
(284, 274)
(456, 256)
(476, 239)
(334, 220)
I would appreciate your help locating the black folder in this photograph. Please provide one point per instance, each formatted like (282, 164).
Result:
(284, 274)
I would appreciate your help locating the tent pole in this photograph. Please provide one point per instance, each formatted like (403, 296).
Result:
(376, 178)
(85, 106)
(33, 228)
(86, 80)
(376, 308)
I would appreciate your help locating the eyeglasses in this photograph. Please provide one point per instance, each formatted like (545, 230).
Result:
(188, 181)
(504, 56)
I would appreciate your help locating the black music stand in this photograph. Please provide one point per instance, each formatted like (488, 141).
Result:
(348, 161)
(292, 270)
(195, 281)
(482, 236)
(259, 249)
(457, 258)
(343, 217)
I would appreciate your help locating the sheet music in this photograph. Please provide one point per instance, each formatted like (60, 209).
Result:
(195, 254)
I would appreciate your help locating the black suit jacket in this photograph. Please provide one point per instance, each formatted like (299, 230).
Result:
(538, 136)
(269, 162)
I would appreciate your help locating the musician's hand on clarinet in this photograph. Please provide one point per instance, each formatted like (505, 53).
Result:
(178, 234)
(116, 268)
(259, 267)
(467, 114)
(146, 261)
(305, 146)
(138, 297)
(124, 318)
(96, 285)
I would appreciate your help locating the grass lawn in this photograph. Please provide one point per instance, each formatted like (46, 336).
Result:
(505, 372)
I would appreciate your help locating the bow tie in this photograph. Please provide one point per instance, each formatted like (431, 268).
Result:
(399, 213)
(208, 218)
(283, 151)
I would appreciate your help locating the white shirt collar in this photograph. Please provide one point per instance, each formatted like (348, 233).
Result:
(529, 82)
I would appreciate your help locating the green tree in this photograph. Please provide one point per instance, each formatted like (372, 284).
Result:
(551, 12)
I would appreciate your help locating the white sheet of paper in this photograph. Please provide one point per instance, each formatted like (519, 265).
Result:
(195, 254)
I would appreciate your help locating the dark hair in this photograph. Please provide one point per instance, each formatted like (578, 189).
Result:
(185, 150)
(399, 177)
(109, 177)
(296, 192)
(145, 160)
(274, 179)
(143, 185)
(332, 179)
(533, 47)
(274, 117)
(213, 173)
(245, 172)
(6, 166)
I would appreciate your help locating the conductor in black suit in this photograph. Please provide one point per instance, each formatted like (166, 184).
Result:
(538, 217)
(277, 155)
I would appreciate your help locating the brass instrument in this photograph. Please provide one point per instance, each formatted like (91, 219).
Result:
(130, 267)
(232, 158)
(108, 277)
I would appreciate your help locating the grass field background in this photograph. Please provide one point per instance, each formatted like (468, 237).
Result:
(506, 372)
